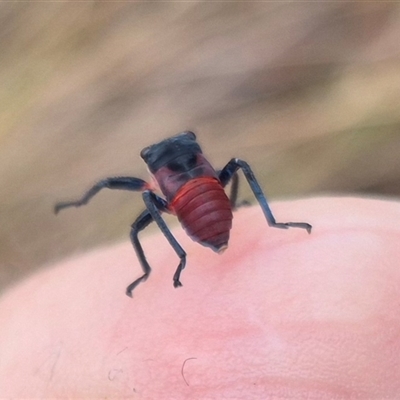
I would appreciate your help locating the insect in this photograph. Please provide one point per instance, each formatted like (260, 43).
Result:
(193, 191)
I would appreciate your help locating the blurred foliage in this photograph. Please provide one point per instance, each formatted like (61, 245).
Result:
(308, 93)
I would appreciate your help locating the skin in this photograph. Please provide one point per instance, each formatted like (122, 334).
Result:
(281, 314)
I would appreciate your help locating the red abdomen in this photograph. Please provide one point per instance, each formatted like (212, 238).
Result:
(204, 210)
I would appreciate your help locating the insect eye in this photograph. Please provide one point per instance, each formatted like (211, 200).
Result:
(144, 153)
(189, 134)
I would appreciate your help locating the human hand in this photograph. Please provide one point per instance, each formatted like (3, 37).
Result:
(281, 314)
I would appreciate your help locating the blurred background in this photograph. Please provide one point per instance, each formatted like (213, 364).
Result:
(308, 93)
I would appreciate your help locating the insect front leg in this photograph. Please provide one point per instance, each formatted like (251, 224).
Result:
(120, 183)
(154, 205)
(230, 170)
(141, 223)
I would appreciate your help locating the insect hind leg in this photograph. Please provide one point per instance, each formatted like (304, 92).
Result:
(155, 205)
(230, 170)
(234, 191)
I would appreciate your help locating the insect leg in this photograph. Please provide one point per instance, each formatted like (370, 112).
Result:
(141, 223)
(155, 204)
(233, 195)
(234, 189)
(121, 183)
(227, 173)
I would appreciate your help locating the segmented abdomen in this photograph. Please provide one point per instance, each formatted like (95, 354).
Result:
(204, 210)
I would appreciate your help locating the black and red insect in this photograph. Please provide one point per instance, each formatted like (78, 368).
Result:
(194, 192)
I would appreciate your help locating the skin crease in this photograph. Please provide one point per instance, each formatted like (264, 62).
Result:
(281, 314)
